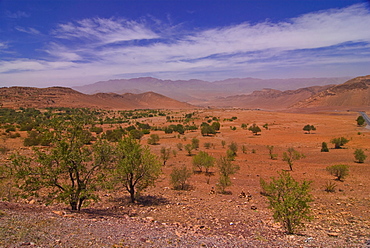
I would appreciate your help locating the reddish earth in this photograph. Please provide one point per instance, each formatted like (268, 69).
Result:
(196, 218)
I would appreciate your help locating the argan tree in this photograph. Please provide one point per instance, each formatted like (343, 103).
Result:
(339, 142)
(165, 154)
(69, 169)
(324, 147)
(254, 129)
(289, 200)
(308, 128)
(360, 155)
(226, 168)
(137, 168)
(203, 160)
(360, 121)
(195, 143)
(292, 155)
(179, 177)
(153, 139)
(340, 171)
(272, 155)
(233, 147)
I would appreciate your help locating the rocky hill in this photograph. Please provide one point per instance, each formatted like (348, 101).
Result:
(198, 91)
(353, 94)
(15, 97)
(268, 98)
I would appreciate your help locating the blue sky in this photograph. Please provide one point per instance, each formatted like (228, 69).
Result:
(77, 42)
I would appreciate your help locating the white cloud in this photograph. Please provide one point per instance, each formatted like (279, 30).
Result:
(27, 30)
(104, 30)
(16, 15)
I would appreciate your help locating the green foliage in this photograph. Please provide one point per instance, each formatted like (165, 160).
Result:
(340, 171)
(289, 200)
(223, 143)
(339, 142)
(324, 147)
(207, 145)
(360, 155)
(203, 160)
(188, 148)
(233, 147)
(179, 178)
(308, 128)
(195, 143)
(136, 134)
(254, 129)
(230, 155)
(70, 169)
(244, 126)
(96, 129)
(165, 154)
(207, 130)
(266, 126)
(114, 135)
(292, 155)
(272, 155)
(137, 168)
(179, 146)
(330, 187)
(226, 168)
(360, 121)
(153, 139)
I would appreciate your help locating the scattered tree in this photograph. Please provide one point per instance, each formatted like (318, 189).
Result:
(291, 155)
(272, 155)
(69, 169)
(339, 142)
(179, 178)
(153, 139)
(179, 146)
(223, 143)
(137, 168)
(360, 121)
(165, 154)
(226, 168)
(244, 149)
(195, 143)
(324, 147)
(203, 160)
(308, 128)
(360, 155)
(233, 147)
(188, 148)
(289, 201)
(340, 171)
(254, 129)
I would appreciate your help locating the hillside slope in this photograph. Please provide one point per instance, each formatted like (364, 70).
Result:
(353, 94)
(15, 97)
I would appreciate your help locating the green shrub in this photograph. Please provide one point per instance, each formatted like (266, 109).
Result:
(289, 200)
(324, 147)
(339, 142)
(330, 187)
(340, 171)
(179, 178)
(360, 155)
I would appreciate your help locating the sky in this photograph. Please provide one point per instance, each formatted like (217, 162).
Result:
(78, 42)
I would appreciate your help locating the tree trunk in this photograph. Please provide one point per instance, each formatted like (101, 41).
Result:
(132, 194)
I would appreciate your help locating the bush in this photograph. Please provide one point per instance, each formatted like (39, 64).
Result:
(339, 171)
(324, 147)
(291, 155)
(360, 155)
(339, 142)
(233, 147)
(289, 200)
(308, 128)
(226, 168)
(179, 178)
(153, 139)
(330, 187)
(203, 160)
(360, 120)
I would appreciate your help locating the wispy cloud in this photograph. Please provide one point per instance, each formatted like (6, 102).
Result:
(107, 48)
(104, 30)
(27, 30)
(16, 15)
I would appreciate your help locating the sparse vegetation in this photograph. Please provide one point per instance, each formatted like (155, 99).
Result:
(339, 142)
(254, 129)
(324, 147)
(153, 139)
(289, 200)
(308, 128)
(292, 155)
(179, 177)
(226, 168)
(165, 154)
(203, 160)
(360, 121)
(330, 187)
(340, 171)
(360, 155)
(273, 156)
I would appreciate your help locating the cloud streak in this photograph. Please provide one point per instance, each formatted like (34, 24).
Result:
(107, 48)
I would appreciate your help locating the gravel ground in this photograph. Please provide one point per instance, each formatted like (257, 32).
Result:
(22, 225)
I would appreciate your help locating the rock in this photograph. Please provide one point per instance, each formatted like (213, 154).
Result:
(253, 207)
(333, 234)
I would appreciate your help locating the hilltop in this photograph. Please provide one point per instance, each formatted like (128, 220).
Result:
(29, 97)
